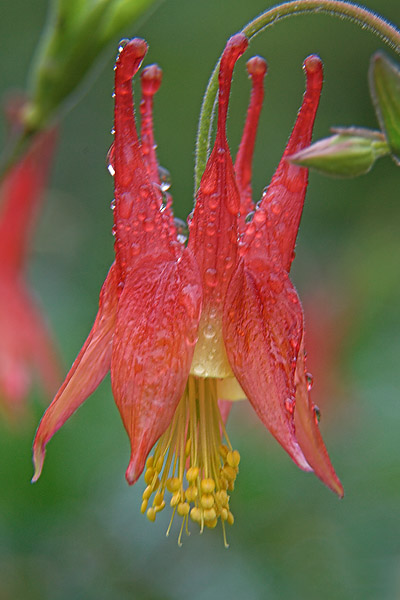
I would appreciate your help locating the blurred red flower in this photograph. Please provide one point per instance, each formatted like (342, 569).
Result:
(25, 345)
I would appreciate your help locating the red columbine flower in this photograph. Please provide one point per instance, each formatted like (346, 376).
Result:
(184, 327)
(25, 345)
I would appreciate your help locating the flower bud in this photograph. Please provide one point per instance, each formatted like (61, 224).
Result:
(348, 153)
(384, 83)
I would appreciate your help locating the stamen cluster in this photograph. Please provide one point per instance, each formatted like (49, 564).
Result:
(192, 464)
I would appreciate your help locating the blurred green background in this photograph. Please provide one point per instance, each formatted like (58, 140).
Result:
(78, 533)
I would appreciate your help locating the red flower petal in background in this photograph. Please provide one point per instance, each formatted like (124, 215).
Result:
(25, 344)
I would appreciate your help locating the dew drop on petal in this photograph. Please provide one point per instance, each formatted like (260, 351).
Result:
(249, 216)
(165, 179)
(122, 44)
(290, 405)
(182, 230)
(210, 277)
(209, 331)
(317, 414)
(276, 283)
(259, 217)
(199, 370)
(310, 381)
(148, 225)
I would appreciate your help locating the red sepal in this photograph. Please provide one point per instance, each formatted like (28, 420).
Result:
(89, 369)
(263, 324)
(158, 316)
(307, 430)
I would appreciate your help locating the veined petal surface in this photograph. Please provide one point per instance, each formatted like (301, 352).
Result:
(156, 331)
(263, 324)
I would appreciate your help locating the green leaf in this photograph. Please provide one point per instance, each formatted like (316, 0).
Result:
(384, 81)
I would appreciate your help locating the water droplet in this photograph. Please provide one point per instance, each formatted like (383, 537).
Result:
(213, 201)
(122, 44)
(182, 231)
(221, 154)
(190, 217)
(199, 370)
(110, 160)
(317, 414)
(310, 381)
(259, 217)
(290, 405)
(209, 331)
(210, 277)
(210, 229)
(112, 205)
(148, 225)
(276, 283)
(165, 179)
(276, 207)
(249, 216)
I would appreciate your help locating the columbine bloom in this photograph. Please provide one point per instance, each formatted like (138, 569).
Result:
(25, 345)
(183, 328)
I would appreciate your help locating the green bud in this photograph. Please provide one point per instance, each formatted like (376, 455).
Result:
(348, 153)
(77, 32)
(384, 82)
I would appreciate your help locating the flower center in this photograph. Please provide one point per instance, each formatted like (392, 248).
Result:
(210, 359)
(192, 463)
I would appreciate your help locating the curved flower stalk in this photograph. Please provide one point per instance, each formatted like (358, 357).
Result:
(184, 329)
(25, 345)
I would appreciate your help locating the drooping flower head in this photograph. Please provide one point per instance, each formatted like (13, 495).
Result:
(182, 328)
(25, 344)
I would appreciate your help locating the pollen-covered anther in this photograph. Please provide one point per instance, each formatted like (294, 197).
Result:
(192, 464)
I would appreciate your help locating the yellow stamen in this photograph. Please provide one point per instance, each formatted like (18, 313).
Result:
(193, 463)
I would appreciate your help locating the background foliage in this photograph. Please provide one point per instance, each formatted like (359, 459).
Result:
(78, 533)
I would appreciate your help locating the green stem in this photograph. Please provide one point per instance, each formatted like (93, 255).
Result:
(361, 16)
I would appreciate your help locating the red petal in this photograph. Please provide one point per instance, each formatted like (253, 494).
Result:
(20, 194)
(158, 317)
(151, 81)
(257, 68)
(213, 229)
(263, 324)
(307, 431)
(24, 344)
(88, 370)
(37, 342)
(278, 217)
(140, 226)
